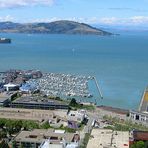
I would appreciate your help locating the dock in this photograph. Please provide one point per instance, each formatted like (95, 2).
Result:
(143, 107)
(97, 85)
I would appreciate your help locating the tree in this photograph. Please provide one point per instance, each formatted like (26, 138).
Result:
(139, 144)
(2, 134)
(146, 144)
(73, 102)
(3, 144)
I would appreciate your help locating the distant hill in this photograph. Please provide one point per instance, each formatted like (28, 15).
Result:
(57, 27)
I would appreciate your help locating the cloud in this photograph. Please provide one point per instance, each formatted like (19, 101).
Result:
(128, 9)
(118, 8)
(139, 19)
(23, 3)
(109, 20)
(134, 20)
(6, 18)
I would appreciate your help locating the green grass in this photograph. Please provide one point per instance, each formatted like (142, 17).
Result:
(85, 140)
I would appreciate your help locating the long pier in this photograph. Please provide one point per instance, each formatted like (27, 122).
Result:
(97, 85)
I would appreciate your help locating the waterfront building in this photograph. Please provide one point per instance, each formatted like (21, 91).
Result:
(139, 117)
(36, 102)
(11, 87)
(5, 98)
(4, 101)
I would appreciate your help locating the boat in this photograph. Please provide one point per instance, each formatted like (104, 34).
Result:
(5, 40)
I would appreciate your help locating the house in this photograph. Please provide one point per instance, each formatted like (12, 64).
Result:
(75, 118)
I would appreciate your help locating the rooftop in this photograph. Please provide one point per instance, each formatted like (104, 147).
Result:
(104, 138)
(140, 135)
(4, 97)
(38, 100)
(38, 135)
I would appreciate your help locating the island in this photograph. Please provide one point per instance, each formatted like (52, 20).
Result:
(56, 27)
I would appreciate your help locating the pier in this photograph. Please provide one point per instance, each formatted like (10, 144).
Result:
(97, 85)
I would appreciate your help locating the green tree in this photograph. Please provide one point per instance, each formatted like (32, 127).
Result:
(3, 144)
(73, 102)
(139, 144)
(146, 144)
(2, 135)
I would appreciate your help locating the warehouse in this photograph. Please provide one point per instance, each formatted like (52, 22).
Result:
(37, 102)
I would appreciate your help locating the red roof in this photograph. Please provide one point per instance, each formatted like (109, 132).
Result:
(140, 135)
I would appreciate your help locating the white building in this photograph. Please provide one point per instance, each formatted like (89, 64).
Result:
(11, 87)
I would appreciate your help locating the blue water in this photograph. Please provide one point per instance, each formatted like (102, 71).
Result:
(118, 62)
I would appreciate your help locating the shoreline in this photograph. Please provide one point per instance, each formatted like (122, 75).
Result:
(113, 109)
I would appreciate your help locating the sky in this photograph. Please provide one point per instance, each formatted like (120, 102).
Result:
(107, 12)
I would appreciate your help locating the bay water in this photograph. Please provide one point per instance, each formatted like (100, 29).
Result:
(120, 63)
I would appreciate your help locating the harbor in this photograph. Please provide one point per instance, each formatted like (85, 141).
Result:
(48, 84)
(52, 84)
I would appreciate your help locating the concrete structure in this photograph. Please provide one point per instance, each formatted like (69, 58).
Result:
(104, 138)
(37, 102)
(42, 137)
(143, 107)
(32, 114)
(4, 99)
(139, 117)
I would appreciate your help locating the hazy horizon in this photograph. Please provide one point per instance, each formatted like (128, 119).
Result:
(110, 13)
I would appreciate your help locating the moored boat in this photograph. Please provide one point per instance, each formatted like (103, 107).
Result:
(5, 40)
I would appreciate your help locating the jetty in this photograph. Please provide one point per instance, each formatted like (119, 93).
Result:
(143, 107)
(98, 87)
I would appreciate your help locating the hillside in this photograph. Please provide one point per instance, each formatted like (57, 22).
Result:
(57, 27)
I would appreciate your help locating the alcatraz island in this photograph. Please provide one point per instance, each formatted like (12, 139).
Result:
(43, 110)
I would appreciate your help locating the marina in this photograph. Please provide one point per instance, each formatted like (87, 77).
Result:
(55, 84)
(48, 84)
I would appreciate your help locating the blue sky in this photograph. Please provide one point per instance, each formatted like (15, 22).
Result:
(108, 12)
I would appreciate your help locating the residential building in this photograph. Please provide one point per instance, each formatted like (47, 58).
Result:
(42, 137)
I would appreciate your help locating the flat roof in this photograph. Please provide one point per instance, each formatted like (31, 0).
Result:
(4, 97)
(38, 100)
(101, 138)
(10, 85)
(140, 135)
(39, 135)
